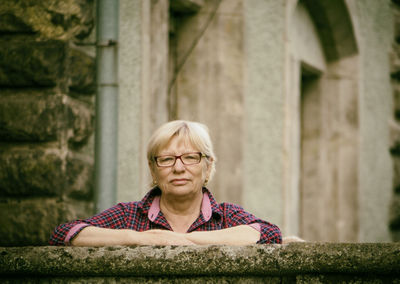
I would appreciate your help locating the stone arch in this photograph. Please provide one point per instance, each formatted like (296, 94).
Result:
(322, 126)
(334, 27)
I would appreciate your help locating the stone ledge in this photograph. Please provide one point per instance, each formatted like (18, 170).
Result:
(359, 260)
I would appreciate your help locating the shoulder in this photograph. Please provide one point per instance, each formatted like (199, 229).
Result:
(234, 212)
(143, 204)
(226, 206)
(120, 209)
(127, 206)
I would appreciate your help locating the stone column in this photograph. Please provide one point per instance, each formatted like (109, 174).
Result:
(375, 108)
(143, 76)
(264, 32)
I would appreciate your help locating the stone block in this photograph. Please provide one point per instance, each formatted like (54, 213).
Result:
(396, 174)
(35, 172)
(79, 121)
(395, 235)
(29, 172)
(72, 209)
(81, 72)
(394, 138)
(395, 75)
(71, 19)
(10, 23)
(395, 62)
(80, 180)
(396, 100)
(30, 117)
(31, 221)
(394, 217)
(25, 62)
(33, 117)
(27, 222)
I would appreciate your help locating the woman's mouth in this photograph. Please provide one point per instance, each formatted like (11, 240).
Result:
(180, 181)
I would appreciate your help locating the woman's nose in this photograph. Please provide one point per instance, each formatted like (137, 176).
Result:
(179, 166)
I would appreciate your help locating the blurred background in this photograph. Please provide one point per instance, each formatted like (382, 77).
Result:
(301, 97)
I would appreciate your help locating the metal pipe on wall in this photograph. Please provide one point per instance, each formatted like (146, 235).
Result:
(106, 132)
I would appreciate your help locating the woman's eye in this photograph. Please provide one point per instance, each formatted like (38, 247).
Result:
(191, 157)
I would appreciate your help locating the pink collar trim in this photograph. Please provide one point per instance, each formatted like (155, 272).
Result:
(205, 208)
(154, 208)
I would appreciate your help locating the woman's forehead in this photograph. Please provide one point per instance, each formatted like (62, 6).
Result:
(178, 143)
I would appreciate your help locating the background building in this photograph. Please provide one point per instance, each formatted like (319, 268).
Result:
(300, 98)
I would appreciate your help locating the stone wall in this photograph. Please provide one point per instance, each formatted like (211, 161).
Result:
(292, 263)
(46, 116)
(395, 126)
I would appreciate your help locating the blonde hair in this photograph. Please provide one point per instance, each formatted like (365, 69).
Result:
(194, 132)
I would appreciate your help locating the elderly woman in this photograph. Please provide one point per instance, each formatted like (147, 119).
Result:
(179, 209)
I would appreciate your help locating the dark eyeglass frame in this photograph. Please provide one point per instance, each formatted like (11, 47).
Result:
(180, 158)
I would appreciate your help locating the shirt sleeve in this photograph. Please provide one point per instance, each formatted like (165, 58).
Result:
(235, 215)
(112, 218)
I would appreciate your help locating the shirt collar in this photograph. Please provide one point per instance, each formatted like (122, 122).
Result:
(150, 204)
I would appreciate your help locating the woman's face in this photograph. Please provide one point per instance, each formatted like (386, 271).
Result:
(180, 179)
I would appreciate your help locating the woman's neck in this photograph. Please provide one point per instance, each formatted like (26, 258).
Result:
(181, 212)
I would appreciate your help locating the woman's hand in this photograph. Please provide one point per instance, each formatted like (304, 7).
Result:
(164, 238)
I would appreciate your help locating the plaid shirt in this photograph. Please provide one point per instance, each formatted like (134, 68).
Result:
(146, 215)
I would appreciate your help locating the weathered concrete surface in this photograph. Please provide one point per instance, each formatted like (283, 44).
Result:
(294, 262)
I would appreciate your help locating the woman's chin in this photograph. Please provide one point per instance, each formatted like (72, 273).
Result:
(180, 190)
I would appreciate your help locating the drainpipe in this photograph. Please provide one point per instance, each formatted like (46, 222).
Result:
(106, 104)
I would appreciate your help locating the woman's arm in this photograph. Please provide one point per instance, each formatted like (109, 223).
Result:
(112, 218)
(235, 236)
(94, 236)
(237, 216)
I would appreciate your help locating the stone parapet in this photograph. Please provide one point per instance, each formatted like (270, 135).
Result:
(291, 263)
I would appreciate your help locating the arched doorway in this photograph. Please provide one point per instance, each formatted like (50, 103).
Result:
(321, 123)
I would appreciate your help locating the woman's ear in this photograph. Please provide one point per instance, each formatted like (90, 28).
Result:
(151, 167)
(209, 167)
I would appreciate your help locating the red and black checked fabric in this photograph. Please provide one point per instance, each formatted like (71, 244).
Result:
(134, 216)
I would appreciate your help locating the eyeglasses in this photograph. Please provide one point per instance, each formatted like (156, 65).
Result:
(186, 158)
